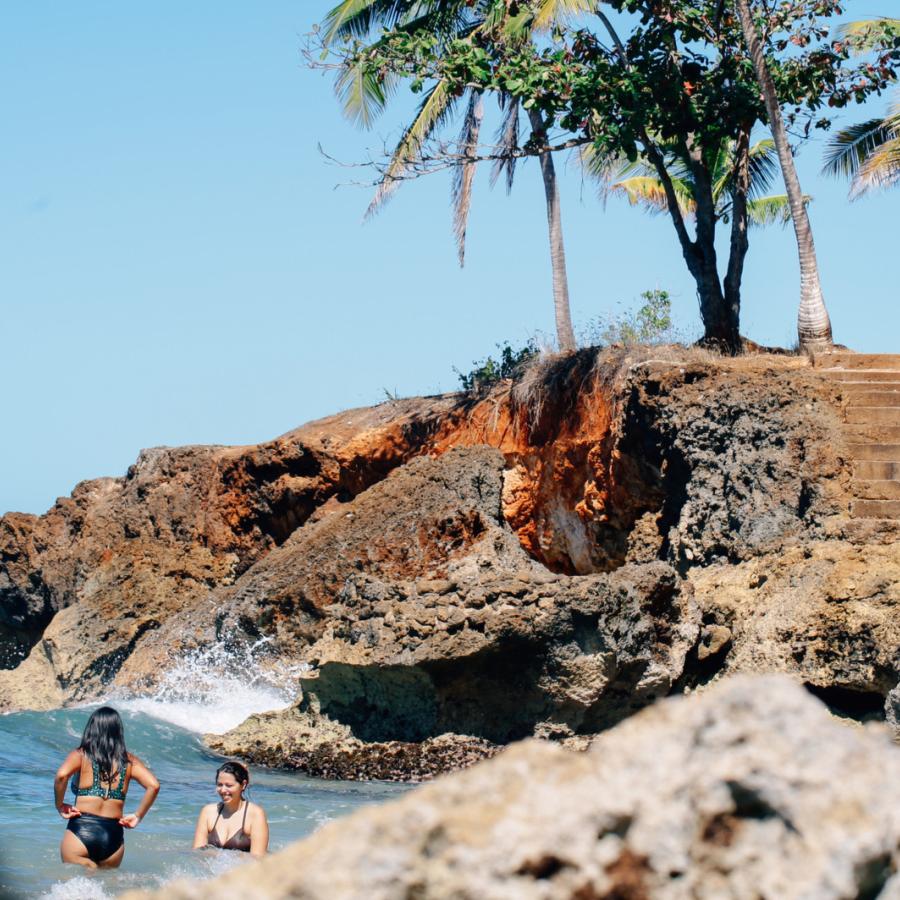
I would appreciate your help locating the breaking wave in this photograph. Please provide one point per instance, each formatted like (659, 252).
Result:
(214, 689)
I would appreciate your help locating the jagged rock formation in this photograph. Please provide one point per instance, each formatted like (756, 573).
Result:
(463, 572)
(748, 790)
(92, 578)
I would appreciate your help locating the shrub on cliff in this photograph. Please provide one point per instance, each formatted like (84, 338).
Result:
(487, 372)
(651, 323)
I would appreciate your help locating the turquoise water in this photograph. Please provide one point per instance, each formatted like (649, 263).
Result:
(32, 745)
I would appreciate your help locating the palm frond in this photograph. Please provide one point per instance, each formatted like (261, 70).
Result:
(507, 141)
(464, 175)
(880, 169)
(848, 150)
(648, 191)
(358, 18)
(362, 94)
(553, 12)
(866, 34)
(764, 167)
(722, 169)
(608, 169)
(772, 210)
(434, 110)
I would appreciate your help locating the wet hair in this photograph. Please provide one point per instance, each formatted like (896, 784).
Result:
(103, 742)
(239, 771)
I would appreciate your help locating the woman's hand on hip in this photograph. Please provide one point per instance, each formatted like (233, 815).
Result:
(67, 811)
(130, 821)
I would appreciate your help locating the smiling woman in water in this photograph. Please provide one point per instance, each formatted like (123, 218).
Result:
(235, 823)
(101, 770)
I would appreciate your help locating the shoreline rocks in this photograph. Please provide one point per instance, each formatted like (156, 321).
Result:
(457, 573)
(747, 790)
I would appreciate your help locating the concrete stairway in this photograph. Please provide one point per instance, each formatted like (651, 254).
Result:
(870, 384)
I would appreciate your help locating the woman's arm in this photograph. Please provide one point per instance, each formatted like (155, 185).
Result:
(71, 765)
(259, 833)
(201, 832)
(147, 780)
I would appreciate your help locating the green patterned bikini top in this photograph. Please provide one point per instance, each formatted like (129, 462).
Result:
(97, 790)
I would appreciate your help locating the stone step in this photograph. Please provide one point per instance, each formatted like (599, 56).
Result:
(844, 360)
(870, 387)
(872, 434)
(876, 490)
(877, 470)
(889, 452)
(862, 375)
(868, 531)
(875, 398)
(872, 415)
(875, 509)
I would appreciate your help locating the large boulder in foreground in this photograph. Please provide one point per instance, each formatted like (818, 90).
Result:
(750, 790)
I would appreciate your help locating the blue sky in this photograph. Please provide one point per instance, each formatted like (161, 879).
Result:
(177, 266)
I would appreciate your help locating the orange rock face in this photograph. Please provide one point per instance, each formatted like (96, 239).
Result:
(606, 460)
(557, 483)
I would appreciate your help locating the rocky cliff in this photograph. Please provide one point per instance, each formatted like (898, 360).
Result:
(750, 790)
(457, 573)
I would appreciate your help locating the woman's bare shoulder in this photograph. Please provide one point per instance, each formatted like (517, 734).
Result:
(255, 811)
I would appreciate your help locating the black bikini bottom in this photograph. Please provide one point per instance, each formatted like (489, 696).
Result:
(101, 835)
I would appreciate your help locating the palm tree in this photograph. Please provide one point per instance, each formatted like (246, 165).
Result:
(813, 323)
(640, 184)
(363, 97)
(868, 152)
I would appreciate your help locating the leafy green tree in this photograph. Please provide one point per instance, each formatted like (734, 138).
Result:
(677, 76)
(868, 152)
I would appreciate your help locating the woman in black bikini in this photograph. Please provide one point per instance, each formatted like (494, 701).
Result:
(101, 770)
(217, 825)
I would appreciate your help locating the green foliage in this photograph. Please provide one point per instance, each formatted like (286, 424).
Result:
(705, 87)
(651, 323)
(489, 371)
(674, 87)
(868, 152)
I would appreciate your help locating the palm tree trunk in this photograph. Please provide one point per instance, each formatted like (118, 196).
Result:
(813, 324)
(565, 336)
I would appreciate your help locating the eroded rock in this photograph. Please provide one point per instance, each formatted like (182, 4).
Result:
(461, 572)
(748, 790)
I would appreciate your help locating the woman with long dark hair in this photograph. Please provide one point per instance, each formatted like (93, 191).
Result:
(101, 770)
(217, 825)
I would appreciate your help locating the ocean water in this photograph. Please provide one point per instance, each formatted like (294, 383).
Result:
(208, 692)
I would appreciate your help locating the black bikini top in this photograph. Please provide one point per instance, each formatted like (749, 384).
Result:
(240, 840)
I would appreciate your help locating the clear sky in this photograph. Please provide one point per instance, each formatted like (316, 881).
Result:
(176, 266)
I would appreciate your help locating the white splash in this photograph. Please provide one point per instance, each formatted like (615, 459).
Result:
(78, 888)
(214, 689)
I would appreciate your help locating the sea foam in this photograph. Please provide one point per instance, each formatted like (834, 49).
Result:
(215, 688)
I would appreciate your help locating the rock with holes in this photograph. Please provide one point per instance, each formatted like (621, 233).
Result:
(489, 649)
(748, 790)
(826, 613)
(85, 586)
(459, 572)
